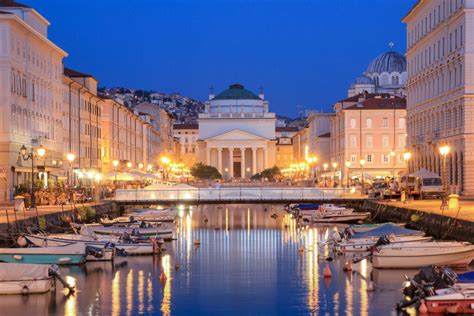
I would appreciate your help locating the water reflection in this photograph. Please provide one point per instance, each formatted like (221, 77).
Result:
(247, 262)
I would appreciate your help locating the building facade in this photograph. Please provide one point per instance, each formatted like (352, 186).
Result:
(319, 124)
(237, 133)
(440, 88)
(30, 96)
(284, 145)
(186, 136)
(368, 134)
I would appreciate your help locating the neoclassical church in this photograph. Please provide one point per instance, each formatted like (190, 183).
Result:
(387, 73)
(237, 133)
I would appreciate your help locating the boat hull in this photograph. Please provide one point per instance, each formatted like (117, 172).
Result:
(60, 259)
(365, 244)
(411, 258)
(343, 218)
(26, 286)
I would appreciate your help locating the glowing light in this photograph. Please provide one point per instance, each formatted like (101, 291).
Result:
(41, 151)
(129, 164)
(70, 157)
(444, 150)
(406, 155)
(165, 160)
(115, 163)
(362, 162)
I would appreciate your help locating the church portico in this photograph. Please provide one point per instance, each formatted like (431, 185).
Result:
(237, 133)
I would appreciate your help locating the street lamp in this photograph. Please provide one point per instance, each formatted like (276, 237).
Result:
(140, 166)
(348, 165)
(362, 163)
(40, 152)
(325, 167)
(70, 157)
(334, 166)
(129, 164)
(444, 151)
(115, 164)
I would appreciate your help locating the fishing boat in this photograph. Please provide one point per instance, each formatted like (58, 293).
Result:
(99, 242)
(63, 255)
(159, 233)
(95, 251)
(419, 254)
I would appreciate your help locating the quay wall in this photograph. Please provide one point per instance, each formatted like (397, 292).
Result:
(440, 227)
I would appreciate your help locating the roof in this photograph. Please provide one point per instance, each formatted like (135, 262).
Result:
(186, 126)
(363, 80)
(356, 97)
(286, 129)
(236, 92)
(74, 73)
(388, 62)
(391, 103)
(12, 4)
(418, 2)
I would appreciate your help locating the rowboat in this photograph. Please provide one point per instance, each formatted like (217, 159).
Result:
(20, 278)
(64, 255)
(419, 254)
(365, 244)
(99, 242)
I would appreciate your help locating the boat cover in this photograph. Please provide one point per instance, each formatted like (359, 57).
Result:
(467, 277)
(307, 206)
(386, 229)
(23, 271)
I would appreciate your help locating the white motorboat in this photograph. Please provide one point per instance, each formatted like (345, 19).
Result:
(156, 232)
(343, 216)
(365, 244)
(21, 278)
(67, 254)
(97, 241)
(334, 208)
(419, 254)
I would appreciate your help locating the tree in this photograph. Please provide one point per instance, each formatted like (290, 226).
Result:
(270, 173)
(202, 171)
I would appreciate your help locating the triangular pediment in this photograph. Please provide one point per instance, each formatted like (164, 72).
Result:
(237, 134)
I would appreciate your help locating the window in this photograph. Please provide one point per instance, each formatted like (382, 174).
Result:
(385, 141)
(353, 141)
(368, 123)
(385, 122)
(353, 158)
(369, 158)
(369, 141)
(385, 158)
(353, 123)
(401, 122)
(395, 80)
(401, 140)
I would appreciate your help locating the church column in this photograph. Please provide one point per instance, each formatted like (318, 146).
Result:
(242, 163)
(208, 156)
(254, 160)
(265, 158)
(219, 160)
(231, 162)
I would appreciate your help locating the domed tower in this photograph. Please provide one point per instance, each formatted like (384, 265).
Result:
(387, 73)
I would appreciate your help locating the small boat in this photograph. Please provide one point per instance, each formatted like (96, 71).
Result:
(453, 300)
(95, 252)
(21, 278)
(419, 254)
(365, 244)
(159, 233)
(63, 255)
(339, 216)
(99, 242)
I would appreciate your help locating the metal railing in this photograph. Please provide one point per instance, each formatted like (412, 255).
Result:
(234, 194)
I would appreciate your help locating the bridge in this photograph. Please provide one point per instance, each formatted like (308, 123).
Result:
(234, 195)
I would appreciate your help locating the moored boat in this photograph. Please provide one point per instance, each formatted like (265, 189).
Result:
(63, 255)
(453, 300)
(20, 278)
(360, 228)
(419, 254)
(366, 243)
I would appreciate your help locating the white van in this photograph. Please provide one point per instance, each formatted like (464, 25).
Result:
(423, 183)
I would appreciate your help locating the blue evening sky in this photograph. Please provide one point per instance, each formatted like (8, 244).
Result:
(303, 52)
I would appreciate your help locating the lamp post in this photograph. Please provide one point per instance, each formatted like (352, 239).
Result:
(70, 157)
(40, 152)
(362, 163)
(406, 158)
(325, 167)
(392, 155)
(115, 164)
(444, 151)
(348, 165)
(334, 166)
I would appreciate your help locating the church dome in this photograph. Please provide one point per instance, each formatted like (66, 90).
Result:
(363, 80)
(236, 92)
(388, 62)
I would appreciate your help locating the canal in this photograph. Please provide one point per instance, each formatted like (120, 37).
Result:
(247, 262)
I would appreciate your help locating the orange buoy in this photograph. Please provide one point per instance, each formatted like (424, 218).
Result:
(301, 249)
(347, 266)
(423, 309)
(162, 277)
(327, 272)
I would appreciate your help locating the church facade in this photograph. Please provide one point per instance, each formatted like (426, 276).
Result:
(237, 133)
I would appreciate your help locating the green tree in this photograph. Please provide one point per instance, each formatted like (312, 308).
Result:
(202, 171)
(270, 173)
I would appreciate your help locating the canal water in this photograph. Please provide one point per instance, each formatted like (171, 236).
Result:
(247, 262)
